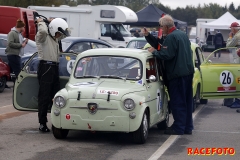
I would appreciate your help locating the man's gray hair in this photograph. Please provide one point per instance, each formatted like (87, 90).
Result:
(166, 20)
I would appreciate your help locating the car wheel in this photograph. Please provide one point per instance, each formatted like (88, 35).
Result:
(164, 124)
(203, 101)
(3, 82)
(59, 133)
(196, 99)
(140, 135)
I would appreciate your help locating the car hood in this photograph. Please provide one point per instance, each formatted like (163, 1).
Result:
(100, 89)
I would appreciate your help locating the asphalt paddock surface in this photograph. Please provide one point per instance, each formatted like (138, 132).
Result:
(216, 126)
(20, 139)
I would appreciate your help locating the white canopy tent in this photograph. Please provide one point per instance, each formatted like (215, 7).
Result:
(222, 22)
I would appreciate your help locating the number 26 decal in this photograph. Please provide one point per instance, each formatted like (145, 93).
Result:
(226, 78)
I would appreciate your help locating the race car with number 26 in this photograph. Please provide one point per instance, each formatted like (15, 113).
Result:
(215, 78)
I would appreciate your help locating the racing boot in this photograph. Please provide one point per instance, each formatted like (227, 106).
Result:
(44, 128)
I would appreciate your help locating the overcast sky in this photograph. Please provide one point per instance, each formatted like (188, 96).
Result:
(183, 3)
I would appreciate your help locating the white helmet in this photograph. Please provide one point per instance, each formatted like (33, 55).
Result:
(58, 25)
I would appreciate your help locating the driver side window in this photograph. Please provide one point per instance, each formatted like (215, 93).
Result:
(66, 64)
(80, 47)
(151, 68)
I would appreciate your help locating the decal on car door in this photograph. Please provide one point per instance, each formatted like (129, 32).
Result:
(226, 80)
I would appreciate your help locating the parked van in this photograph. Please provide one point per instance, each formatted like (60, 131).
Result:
(10, 15)
(99, 22)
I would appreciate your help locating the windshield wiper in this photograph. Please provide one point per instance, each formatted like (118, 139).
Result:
(89, 76)
(112, 76)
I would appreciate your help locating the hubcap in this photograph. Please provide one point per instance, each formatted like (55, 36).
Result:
(145, 125)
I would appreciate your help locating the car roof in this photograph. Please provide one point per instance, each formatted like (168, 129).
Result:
(137, 53)
(82, 39)
(3, 35)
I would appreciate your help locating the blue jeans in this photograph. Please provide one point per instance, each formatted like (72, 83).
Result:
(219, 52)
(14, 62)
(181, 103)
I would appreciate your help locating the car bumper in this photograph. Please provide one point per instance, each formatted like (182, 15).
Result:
(110, 116)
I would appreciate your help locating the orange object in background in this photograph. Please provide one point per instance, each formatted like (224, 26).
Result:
(160, 33)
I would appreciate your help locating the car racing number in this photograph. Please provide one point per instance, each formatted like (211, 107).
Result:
(70, 66)
(226, 78)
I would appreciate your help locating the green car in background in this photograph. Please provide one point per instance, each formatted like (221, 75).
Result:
(137, 43)
(215, 80)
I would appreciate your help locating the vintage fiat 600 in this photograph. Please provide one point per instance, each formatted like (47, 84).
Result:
(116, 90)
(112, 90)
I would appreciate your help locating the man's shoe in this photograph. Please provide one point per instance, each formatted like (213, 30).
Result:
(171, 132)
(238, 110)
(44, 128)
(188, 132)
(6, 86)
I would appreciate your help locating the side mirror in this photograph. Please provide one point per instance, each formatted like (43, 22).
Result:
(152, 78)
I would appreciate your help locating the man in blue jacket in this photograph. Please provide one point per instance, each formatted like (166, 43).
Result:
(218, 42)
(177, 55)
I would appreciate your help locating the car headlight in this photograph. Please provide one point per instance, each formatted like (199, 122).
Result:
(129, 104)
(60, 101)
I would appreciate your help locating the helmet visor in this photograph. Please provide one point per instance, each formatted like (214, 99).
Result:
(65, 32)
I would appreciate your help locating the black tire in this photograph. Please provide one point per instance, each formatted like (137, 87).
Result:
(203, 101)
(194, 104)
(164, 124)
(3, 82)
(140, 135)
(196, 99)
(59, 133)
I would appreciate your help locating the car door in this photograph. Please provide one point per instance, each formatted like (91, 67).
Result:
(221, 77)
(155, 91)
(26, 86)
(197, 78)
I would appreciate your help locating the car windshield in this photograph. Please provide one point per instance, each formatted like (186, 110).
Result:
(137, 44)
(122, 29)
(109, 67)
(65, 45)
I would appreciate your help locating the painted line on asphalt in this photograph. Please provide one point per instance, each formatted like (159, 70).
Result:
(12, 114)
(171, 139)
(216, 132)
(6, 106)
